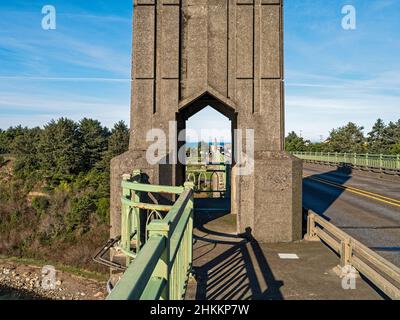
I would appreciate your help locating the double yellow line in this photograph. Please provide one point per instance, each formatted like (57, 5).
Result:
(364, 193)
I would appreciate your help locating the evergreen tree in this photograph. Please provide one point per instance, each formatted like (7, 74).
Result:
(295, 143)
(349, 138)
(3, 144)
(119, 139)
(25, 149)
(94, 142)
(59, 149)
(376, 138)
(392, 136)
(118, 143)
(395, 149)
(7, 137)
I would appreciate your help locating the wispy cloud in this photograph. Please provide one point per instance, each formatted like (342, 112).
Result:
(35, 110)
(63, 79)
(81, 44)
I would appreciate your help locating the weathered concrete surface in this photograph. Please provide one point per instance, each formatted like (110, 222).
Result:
(188, 54)
(272, 195)
(228, 267)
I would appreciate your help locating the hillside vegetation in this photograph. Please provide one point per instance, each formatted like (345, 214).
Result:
(54, 189)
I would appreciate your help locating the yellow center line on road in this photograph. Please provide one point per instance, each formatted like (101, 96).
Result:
(364, 193)
(359, 190)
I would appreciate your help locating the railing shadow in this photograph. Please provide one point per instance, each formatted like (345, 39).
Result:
(239, 272)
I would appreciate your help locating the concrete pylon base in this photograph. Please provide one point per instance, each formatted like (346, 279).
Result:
(268, 203)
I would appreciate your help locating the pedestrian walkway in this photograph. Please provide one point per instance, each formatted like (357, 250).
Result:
(239, 268)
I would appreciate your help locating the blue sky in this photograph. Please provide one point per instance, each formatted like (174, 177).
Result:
(83, 67)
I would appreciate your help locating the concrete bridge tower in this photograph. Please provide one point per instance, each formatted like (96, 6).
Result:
(227, 54)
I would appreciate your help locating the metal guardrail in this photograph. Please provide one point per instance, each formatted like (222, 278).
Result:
(382, 273)
(371, 161)
(211, 178)
(159, 268)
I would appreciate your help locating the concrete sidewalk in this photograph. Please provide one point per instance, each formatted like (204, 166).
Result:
(229, 267)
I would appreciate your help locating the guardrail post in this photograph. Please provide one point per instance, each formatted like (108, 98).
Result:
(135, 218)
(380, 161)
(398, 162)
(125, 225)
(345, 253)
(163, 268)
(311, 234)
(228, 180)
(345, 267)
(189, 185)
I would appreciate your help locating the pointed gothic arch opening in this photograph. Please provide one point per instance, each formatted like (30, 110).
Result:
(209, 160)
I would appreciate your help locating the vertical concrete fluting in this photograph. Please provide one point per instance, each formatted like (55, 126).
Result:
(228, 54)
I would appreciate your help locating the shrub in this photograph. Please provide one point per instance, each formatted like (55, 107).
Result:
(103, 207)
(79, 215)
(14, 216)
(40, 203)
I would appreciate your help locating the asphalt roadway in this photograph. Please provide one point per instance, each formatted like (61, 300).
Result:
(367, 208)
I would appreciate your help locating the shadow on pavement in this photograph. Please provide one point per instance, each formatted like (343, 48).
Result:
(239, 271)
(319, 196)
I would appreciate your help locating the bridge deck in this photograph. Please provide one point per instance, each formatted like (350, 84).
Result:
(229, 267)
(360, 212)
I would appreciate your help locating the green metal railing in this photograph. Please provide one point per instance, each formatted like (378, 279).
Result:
(160, 267)
(211, 178)
(373, 161)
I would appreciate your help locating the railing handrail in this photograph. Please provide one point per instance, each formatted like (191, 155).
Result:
(382, 273)
(383, 162)
(208, 164)
(162, 266)
(217, 183)
(142, 187)
(377, 155)
(134, 280)
(171, 219)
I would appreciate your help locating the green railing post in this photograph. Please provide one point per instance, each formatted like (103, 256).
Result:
(398, 162)
(135, 217)
(384, 162)
(228, 180)
(189, 185)
(125, 225)
(162, 269)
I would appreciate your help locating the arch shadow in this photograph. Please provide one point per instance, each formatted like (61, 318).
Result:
(327, 194)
